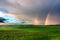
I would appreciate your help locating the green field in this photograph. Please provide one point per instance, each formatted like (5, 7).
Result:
(29, 32)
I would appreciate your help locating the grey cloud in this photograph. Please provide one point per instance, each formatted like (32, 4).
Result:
(29, 7)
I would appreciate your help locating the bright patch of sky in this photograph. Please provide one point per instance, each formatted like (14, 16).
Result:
(10, 19)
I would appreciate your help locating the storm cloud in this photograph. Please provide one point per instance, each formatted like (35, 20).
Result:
(30, 8)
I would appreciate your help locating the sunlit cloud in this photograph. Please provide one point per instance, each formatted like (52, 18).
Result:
(27, 9)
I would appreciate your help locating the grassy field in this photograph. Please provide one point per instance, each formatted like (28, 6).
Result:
(29, 32)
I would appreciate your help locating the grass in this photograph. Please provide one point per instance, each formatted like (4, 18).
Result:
(29, 32)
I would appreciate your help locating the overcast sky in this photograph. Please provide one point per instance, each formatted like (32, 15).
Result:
(30, 8)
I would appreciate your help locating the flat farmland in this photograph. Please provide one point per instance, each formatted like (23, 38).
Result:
(29, 32)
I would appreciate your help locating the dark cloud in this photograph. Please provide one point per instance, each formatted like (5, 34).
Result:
(32, 7)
